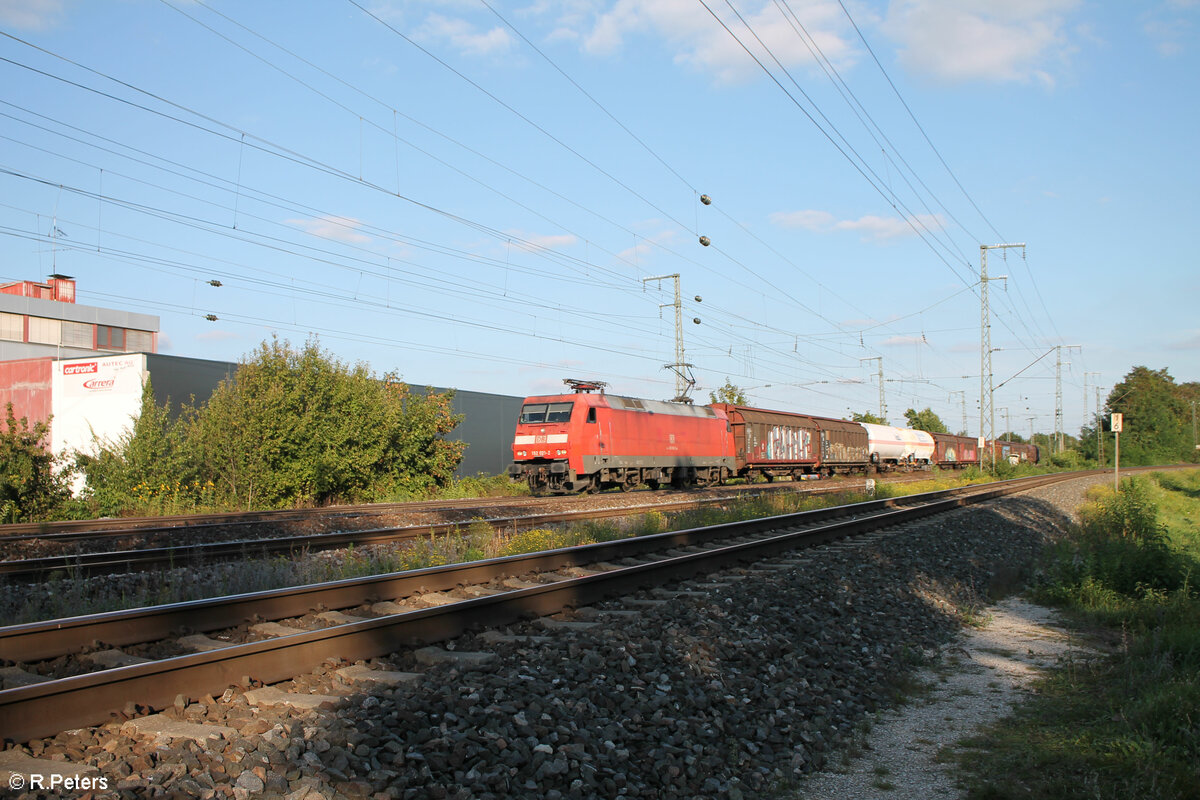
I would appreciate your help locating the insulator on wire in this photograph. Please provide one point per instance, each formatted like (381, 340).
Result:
(706, 200)
(696, 320)
(704, 240)
(699, 299)
(211, 317)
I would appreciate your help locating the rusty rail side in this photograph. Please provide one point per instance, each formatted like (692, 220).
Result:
(47, 708)
(109, 562)
(44, 640)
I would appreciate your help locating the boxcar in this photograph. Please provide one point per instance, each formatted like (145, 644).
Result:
(1016, 452)
(844, 446)
(951, 451)
(586, 442)
(773, 444)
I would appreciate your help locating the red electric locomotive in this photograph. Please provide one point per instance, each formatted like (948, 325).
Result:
(589, 440)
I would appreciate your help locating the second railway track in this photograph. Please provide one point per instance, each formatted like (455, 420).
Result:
(572, 578)
(135, 554)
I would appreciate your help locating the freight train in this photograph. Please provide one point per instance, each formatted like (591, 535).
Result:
(588, 440)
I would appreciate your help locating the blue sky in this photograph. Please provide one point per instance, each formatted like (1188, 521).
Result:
(472, 195)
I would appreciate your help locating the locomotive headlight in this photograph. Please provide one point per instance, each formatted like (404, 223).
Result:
(562, 452)
(522, 453)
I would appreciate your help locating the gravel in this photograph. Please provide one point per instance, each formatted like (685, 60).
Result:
(739, 689)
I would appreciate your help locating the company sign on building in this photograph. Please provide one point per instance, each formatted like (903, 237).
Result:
(95, 398)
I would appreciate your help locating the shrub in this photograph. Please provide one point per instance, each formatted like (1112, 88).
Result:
(150, 469)
(30, 486)
(1119, 551)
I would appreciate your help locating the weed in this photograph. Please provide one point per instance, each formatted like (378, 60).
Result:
(1126, 725)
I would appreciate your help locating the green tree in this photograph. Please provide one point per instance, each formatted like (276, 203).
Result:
(924, 420)
(729, 393)
(30, 487)
(1157, 417)
(150, 468)
(298, 426)
(1190, 394)
(868, 417)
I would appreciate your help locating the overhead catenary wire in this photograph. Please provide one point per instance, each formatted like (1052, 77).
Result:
(240, 138)
(582, 264)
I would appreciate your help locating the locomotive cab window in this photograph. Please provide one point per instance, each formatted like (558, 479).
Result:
(539, 413)
(591, 417)
(559, 412)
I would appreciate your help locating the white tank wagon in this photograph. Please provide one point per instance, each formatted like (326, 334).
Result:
(898, 447)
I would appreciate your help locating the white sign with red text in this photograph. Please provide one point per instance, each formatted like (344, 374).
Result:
(95, 398)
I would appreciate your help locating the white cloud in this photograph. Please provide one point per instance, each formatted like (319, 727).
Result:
(339, 229)
(699, 41)
(871, 226)
(808, 220)
(645, 246)
(535, 242)
(1171, 28)
(33, 15)
(965, 40)
(903, 340)
(217, 336)
(465, 37)
(1186, 340)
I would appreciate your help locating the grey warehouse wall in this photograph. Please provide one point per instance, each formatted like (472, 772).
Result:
(177, 379)
(487, 428)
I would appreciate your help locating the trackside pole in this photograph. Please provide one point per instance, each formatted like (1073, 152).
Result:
(1117, 420)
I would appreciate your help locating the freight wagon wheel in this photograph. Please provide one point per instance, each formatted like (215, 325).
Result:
(653, 484)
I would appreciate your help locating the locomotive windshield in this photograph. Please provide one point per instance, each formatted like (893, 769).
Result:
(539, 413)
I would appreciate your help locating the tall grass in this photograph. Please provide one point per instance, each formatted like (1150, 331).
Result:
(1128, 724)
(66, 595)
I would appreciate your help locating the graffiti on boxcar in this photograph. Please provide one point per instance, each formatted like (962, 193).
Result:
(783, 443)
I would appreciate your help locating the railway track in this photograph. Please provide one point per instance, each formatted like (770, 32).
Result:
(135, 552)
(366, 618)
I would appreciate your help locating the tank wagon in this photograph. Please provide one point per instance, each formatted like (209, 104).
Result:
(898, 448)
(588, 441)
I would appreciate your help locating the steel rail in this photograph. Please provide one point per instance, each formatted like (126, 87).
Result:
(49, 639)
(115, 561)
(68, 530)
(47, 708)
